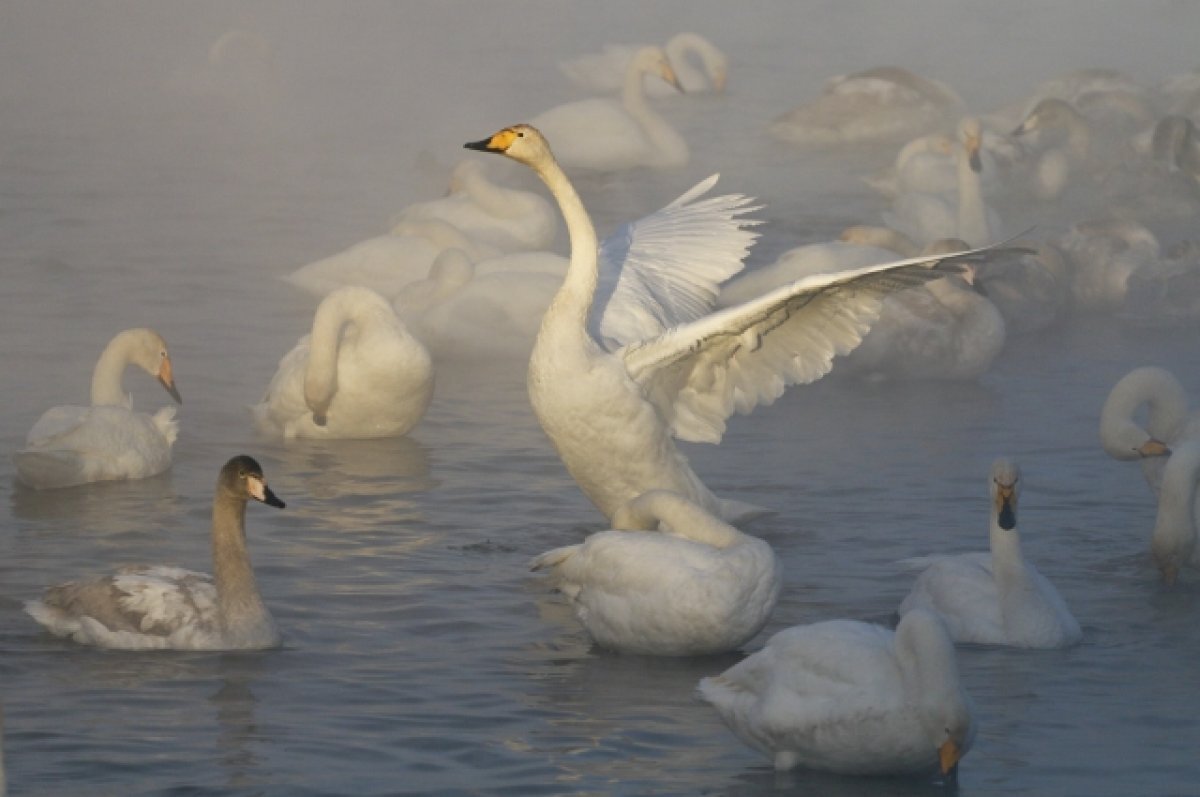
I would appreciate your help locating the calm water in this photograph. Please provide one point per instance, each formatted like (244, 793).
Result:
(137, 188)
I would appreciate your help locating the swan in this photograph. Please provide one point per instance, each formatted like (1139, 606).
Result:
(1166, 293)
(604, 134)
(359, 374)
(153, 607)
(1173, 544)
(72, 445)
(1064, 142)
(670, 579)
(1031, 288)
(1103, 255)
(877, 105)
(604, 72)
(995, 598)
(1168, 420)
(929, 164)
(926, 217)
(507, 219)
(851, 697)
(630, 355)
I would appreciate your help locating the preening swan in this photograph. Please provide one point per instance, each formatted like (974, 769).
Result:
(851, 697)
(605, 134)
(72, 445)
(147, 607)
(995, 598)
(1168, 420)
(671, 579)
(604, 72)
(359, 374)
(1174, 542)
(630, 354)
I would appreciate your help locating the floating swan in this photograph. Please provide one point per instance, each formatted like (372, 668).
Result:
(670, 580)
(1031, 289)
(72, 445)
(851, 697)
(1104, 254)
(1173, 544)
(605, 134)
(359, 374)
(508, 219)
(630, 355)
(874, 106)
(604, 72)
(150, 607)
(995, 598)
(1168, 420)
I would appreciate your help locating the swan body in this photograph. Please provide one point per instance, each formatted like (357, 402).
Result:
(360, 373)
(604, 72)
(154, 607)
(995, 598)
(71, 445)
(1103, 256)
(1031, 289)
(630, 355)
(605, 134)
(1173, 544)
(507, 219)
(1168, 420)
(874, 106)
(670, 579)
(851, 697)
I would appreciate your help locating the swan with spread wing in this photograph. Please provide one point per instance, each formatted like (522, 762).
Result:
(631, 354)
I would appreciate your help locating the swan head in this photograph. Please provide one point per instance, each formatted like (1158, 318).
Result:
(1006, 489)
(970, 133)
(1048, 113)
(242, 477)
(716, 63)
(653, 61)
(523, 143)
(149, 352)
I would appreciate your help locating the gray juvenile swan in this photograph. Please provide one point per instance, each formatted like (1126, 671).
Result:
(152, 607)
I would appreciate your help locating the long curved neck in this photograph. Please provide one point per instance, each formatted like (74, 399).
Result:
(237, 591)
(666, 140)
(320, 376)
(1008, 565)
(678, 49)
(684, 519)
(972, 212)
(106, 378)
(1166, 404)
(573, 302)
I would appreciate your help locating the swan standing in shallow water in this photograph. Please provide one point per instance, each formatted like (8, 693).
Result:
(851, 697)
(630, 354)
(153, 607)
(72, 445)
(670, 579)
(604, 134)
(1168, 420)
(995, 598)
(359, 374)
(604, 72)
(1173, 544)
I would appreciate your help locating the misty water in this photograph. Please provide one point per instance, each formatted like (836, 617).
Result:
(140, 186)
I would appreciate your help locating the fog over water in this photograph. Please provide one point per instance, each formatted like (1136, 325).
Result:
(164, 164)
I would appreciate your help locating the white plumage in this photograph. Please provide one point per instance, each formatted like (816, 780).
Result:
(1168, 420)
(604, 72)
(1173, 544)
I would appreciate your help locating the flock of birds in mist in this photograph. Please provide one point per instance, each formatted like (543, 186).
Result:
(655, 334)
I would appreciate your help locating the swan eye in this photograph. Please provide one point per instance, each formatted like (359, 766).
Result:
(520, 134)
(241, 474)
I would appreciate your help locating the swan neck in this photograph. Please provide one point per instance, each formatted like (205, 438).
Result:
(972, 212)
(106, 378)
(321, 374)
(657, 509)
(233, 575)
(574, 298)
(1007, 561)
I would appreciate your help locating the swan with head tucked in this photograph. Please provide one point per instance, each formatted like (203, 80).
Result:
(850, 697)
(360, 373)
(1103, 254)
(153, 607)
(1168, 420)
(605, 134)
(631, 355)
(604, 72)
(71, 445)
(995, 598)
(670, 579)
(1173, 544)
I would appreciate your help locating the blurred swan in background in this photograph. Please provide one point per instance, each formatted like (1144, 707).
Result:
(604, 72)
(606, 134)
(886, 103)
(670, 579)
(1168, 420)
(851, 697)
(360, 373)
(1031, 289)
(995, 598)
(1103, 254)
(153, 607)
(631, 354)
(1173, 544)
(71, 445)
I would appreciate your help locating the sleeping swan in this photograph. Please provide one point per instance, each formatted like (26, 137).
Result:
(359, 374)
(995, 598)
(669, 580)
(630, 353)
(151, 607)
(851, 697)
(1168, 420)
(72, 445)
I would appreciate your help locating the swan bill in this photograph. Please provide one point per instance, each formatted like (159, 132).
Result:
(948, 757)
(1153, 448)
(498, 142)
(259, 491)
(167, 380)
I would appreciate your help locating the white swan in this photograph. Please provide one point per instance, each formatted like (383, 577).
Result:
(604, 134)
(604, 72)
(1168, 420)
(508, 219)
(1173, 544)
(670, 579)
(851, 697)
(877, 105)
(630, 355)
(152, 607)
(1103, 255)
(1064, 145)
(964, 214)
(1031, 289)
(72, 445)
(359, 374)
(995, 598)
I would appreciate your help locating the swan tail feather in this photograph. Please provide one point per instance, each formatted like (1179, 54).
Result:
(736, 512)
(47, 469)
(552, 558)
